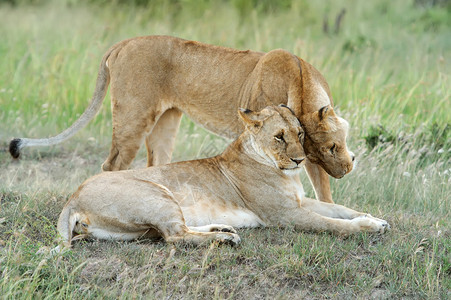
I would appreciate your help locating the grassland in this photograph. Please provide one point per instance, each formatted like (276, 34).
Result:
(388, 69)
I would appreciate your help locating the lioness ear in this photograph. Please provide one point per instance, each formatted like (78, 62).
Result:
(325, 111)
(283, 105)
(250, 118)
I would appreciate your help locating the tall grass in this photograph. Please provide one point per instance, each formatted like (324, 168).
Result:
(388, 69)
(50, 57)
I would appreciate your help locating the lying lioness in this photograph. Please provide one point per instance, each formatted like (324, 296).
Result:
(252, 183)
(155, 79)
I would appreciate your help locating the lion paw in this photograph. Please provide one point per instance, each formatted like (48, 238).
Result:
(230, 238)
(222, 228)
(371, 224)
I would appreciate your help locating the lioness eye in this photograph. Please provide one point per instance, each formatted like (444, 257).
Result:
(301, 136)
(279, 137)
(332, 149)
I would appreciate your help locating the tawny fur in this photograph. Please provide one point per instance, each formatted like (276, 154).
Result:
(254, 182)
(154, 79)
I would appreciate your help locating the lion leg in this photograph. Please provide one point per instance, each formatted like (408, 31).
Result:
(213, 228)
(330, 210)
(160, 142)
(320, 181)
(128, 135)
(173, 228)
(305, 219)
(177, 231)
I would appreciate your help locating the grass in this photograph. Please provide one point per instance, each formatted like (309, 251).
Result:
(388, 69)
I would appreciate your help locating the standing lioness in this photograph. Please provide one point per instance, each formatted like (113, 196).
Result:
(155, 79)
(253, 183)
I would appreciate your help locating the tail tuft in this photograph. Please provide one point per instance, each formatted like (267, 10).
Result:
(14, 148)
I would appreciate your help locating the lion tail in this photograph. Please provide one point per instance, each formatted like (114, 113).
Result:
(103, 80)
(66, 225)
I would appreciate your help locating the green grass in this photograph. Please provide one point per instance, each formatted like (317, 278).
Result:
(388, 69)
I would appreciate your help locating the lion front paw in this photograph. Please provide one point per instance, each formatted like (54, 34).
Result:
(371, 224)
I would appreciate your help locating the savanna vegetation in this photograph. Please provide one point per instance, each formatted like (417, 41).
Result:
(387, 63)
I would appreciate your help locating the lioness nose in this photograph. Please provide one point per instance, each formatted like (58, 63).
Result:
(352, 155)
(296, 160)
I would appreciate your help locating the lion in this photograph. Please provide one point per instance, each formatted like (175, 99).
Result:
(155, 79)
(254, 182)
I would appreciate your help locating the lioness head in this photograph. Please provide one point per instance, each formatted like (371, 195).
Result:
(277, 136)
(325, 141)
